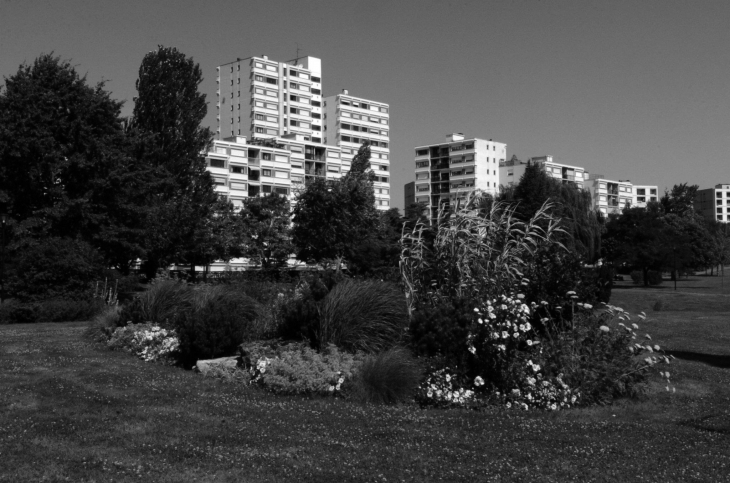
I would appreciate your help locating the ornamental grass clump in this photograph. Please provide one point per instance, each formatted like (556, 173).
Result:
(389, 377)
(162, 303)
(368, 316)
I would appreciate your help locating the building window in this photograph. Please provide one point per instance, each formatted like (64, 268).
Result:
(265, 172)
(266, 156)
(316, 103)
(316, 79)
(238, 169)
(217, 163)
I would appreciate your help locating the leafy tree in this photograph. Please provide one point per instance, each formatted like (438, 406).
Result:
(680, 200)
(167, 118)
(217, 237)
(331, 218)
(266, 229)
(642, 238)
(583, 225)
(64, 164)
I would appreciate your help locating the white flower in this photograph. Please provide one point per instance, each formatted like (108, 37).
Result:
(480, 320)
(341, 380)
(571, 293)
(478, 381)
(587, 306)
(604, 328)
(509, 405)
(472, 349)
(331, 388)
(505, 334)
(448, 378)
(520, 296)
(529, 342)
(656, 348)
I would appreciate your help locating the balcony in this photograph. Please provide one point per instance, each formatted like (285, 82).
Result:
(254, 161)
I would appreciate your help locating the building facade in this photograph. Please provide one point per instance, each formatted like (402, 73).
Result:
(610, 197)
(258, 97)
(446, 172)
(511, 171)
(714, 203)
(244, 168)
(644, 194)
(348, 122)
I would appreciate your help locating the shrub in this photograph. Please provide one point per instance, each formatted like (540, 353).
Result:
(55, 268)
(300, 313)
(441, 330)
(299, 369)
(68, 310)
(386, 378)
(218, 322)
(16, 312)
(654, 277)
(13, 311)
(637, 276)
(161, 304)
(365, 316)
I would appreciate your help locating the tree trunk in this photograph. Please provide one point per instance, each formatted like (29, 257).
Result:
(192, 271)
(645, 272)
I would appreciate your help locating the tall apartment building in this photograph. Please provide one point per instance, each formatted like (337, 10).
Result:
(511, 171)
(714, 203)
(262, 98)
(644, 194)
(610, 197)
(348, 122)
(447, 172)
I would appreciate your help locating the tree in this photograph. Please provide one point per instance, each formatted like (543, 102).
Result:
(642, 238)
(65, 170)
(680, 200)
(583, 225)
(331, 218)
(266, 229)
(167, 118)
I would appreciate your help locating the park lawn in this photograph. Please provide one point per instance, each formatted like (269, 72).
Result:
(70, 410)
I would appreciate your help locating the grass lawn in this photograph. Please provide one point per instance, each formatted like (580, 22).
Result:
(71, 410)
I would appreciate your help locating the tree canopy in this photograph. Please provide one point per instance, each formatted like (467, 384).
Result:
(64, 164)
(266, 230)
(332, 217)
(167, 118)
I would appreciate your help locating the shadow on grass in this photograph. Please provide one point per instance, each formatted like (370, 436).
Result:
(709, 359)
(714, 423)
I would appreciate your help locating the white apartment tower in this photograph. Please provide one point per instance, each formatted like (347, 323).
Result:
(448, 171)
(261, 98)
(644, 194)
(610, 197)
(348, 122)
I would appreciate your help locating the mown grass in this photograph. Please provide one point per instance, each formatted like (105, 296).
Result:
(72, 411)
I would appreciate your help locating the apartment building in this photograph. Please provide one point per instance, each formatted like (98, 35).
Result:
(245, 168)
(644, 194)
(511, 171)
(263, 98)
(610, 197)
(348, 122)
(446, 172)
(714, 203)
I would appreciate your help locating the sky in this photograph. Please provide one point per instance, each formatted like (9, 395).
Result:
(634, 90)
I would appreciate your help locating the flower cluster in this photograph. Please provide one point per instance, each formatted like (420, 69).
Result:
(441, 388)
(148, 342)
(541, 392)
(503, 323)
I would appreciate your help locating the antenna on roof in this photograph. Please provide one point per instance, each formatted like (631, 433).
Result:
(296, 61)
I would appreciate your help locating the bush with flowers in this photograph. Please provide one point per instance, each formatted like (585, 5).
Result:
(523, 353)
(147, 341)
(296, 368)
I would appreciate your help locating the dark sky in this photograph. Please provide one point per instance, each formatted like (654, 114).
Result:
(635, 90)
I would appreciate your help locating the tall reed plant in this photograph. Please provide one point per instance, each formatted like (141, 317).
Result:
(479, 250)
